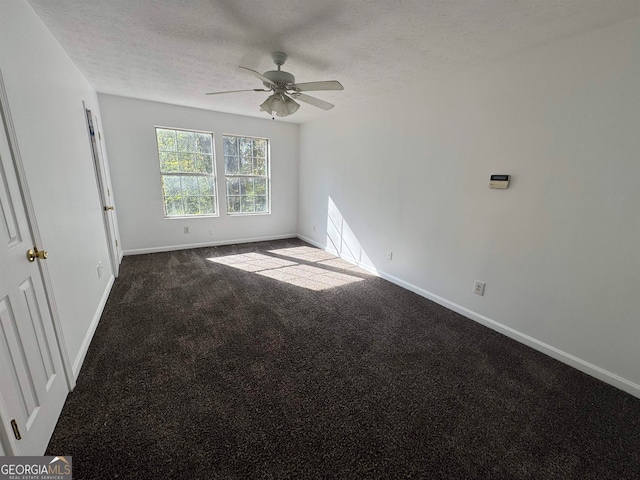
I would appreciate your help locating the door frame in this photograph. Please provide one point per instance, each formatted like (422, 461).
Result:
(12, 139)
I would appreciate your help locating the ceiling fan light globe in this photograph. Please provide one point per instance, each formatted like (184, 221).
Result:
(290, 106)
(279, 104)
(269, 104)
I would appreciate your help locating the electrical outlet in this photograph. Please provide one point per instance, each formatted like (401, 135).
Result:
(389, 255)
(313, 228)
(186, 229)
(478, 287)
(211, 231)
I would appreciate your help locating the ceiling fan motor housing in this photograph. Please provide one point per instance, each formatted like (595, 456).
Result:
(279, 77)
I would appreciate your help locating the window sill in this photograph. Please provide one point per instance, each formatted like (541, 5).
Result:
(250, 214)
(190, 217)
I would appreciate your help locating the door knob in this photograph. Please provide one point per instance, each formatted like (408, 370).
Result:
(35, 253)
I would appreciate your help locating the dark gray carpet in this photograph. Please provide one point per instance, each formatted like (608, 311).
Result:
(204, 370)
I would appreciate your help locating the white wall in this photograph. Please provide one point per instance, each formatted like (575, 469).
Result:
(559, 250)
(45, 92)
(129, 127)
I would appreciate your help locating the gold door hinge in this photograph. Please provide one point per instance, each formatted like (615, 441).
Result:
(16, 431)
(116, 243)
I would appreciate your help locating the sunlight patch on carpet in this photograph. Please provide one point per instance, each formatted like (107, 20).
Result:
(293, 273)
(308, 254)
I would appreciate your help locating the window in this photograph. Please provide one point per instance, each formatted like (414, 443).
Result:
(187, 171)
(246, 168)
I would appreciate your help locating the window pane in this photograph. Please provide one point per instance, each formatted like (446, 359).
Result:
(166, 139)
(169, 162)
(206, 185)
(191, 206)
(261, 203)
(189, 185)
(170, 185)
(246, 204)
(259, 147)
(246, 166)
(260, 186)
(246, 186)
(185, 161)
(259, 166)
(233, 204)
(245, 145)
(207, 205)
(230, 145)
(173, 206)
(186, 141)
(203, 143)
(231, 165)
(233, 186)
(203, 163)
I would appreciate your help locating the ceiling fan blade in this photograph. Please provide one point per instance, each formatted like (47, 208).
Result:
(259, 75)
(236, 91)
(316, 102)
(317, 86)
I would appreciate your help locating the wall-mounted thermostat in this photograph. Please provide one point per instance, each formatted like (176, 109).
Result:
(499, 181)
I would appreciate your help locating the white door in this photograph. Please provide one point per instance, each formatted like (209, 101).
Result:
(33, 387)
(106, 192)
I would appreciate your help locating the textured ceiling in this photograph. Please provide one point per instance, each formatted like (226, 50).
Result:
(174, 51)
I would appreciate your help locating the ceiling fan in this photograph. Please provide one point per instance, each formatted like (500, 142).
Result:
(285, 89)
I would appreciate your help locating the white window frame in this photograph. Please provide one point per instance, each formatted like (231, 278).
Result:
(241, 176)
(180, 174)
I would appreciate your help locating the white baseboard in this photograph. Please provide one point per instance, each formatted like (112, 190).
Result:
(77, 364)
(575, 362)
(170, 248)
